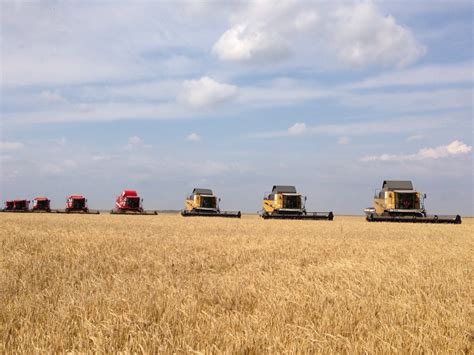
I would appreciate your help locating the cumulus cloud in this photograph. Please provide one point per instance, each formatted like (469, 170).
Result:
(453, 149)
(363, 36)
(206, 92)
(136, 142)
(193, 137)
(297, 129)
(357, 34)
(10, 145)
(243, 43)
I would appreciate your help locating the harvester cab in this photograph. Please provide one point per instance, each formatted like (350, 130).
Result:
(398, 201)
(202, 202)
(41, 204)
(77, 204)
(284, 202)
(128, 202)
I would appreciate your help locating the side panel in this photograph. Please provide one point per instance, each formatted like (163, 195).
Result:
(418, 201)
(385, 203)
(272, 205)
(267, 206)
(379, 205)
(389, 200)
(189, 205)
(278, 201)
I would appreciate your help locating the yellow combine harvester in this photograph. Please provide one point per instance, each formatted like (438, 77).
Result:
(285, 203)
(397, 201)
(203, 203)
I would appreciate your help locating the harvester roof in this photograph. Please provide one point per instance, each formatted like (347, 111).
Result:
(76, 197)
(41, 198)
(199, 191)
(282, 189)
(390, 185)
(129, 193)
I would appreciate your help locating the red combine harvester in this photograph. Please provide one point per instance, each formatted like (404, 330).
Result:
(77, 204)
(17, 206)
(128, 202)
(41, 204)
(21, 205)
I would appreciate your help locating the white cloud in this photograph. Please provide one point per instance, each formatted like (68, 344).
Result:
(57, 167)
(412, 100)
(242, 43)
(213, 168)
(60, 142)
(387, 126)
(136, 142)
(71, 46)
(107, 111)
(101, 157)
(11, 145)
(343, 140)
(426, 75)
(414, 137)
(357, 34)
(193, 137)
(51, 96)
(206, 92)
(283, 91)
(361, 36)
(455, 148)
(297, 129)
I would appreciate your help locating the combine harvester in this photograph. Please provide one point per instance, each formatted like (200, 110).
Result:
(397, 201)
(17, 206)
(77, 204)
(41, 204)
(203, 203)
(285, 203)
(128, 202)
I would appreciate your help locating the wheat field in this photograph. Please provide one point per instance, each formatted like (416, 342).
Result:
(170, 284)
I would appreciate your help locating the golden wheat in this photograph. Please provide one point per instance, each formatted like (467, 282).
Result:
(169, 284)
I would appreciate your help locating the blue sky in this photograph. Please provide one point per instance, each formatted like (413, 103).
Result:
(332, 97)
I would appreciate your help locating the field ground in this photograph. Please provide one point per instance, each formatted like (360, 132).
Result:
(169, 284)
